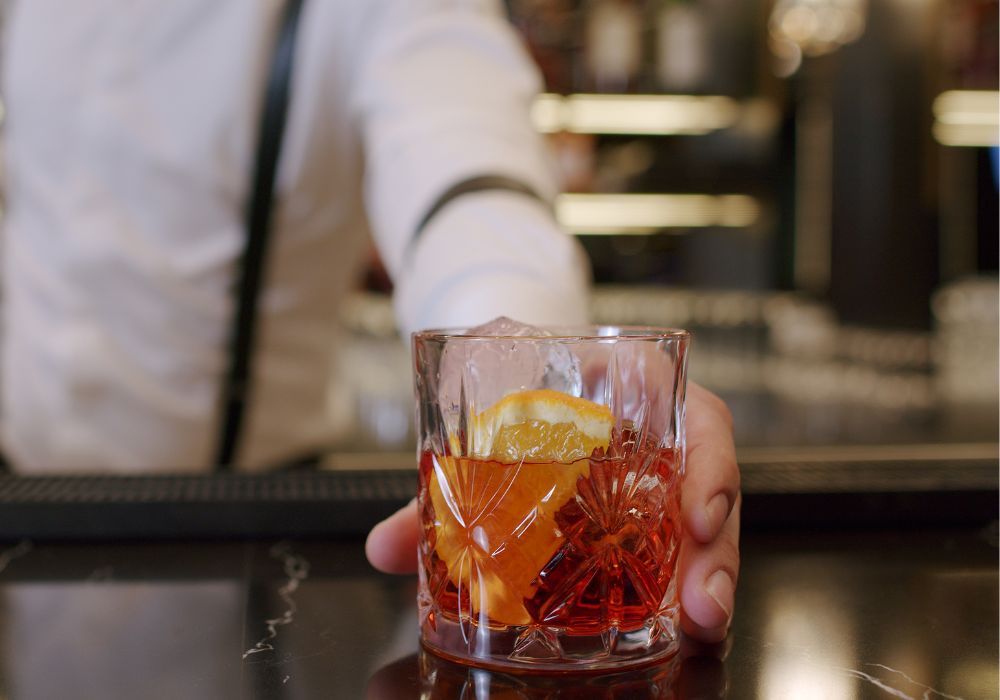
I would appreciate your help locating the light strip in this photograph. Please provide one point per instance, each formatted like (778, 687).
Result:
(964, 451)
(967, 118)
(596, 214)
(634, 114)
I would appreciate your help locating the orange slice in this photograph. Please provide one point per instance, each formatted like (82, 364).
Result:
(540, 425)
(495, 511)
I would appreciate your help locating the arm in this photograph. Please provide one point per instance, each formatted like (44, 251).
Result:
(442, 95)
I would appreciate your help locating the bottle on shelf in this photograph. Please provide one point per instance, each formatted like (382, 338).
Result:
(613, 45)
(681, 48)
(548, 28)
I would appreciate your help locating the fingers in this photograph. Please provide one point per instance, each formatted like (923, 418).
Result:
(712, 477)
(708, 575)
(710, 504)
(392, 544)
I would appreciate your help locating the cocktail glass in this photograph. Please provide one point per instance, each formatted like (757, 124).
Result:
(550, 469)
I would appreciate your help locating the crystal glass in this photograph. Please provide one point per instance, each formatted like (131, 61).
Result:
(551, 463)
(444, 680)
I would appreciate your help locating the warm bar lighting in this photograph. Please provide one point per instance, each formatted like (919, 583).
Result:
(634, 114)
(967, 118)
(597, 214)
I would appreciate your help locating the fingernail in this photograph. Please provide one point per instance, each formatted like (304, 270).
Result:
(716, 511)
(721, 589)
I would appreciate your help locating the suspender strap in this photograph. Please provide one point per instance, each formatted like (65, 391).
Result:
(235, 390)
(473, 184)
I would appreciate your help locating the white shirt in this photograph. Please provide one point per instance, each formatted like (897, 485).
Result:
(128, 140)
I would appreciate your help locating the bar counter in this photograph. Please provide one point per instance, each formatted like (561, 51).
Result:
(869, 570)
(821, 613)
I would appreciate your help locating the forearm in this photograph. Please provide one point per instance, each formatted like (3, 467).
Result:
(444, 95)
(491, 254)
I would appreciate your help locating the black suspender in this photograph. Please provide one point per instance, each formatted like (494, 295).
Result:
(258, 224)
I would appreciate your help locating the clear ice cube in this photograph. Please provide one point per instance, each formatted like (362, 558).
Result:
(484, 372)
(503, 325)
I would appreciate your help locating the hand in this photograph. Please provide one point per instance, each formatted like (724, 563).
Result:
(710, 505)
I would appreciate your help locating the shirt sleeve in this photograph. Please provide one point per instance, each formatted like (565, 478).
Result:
(443, 94)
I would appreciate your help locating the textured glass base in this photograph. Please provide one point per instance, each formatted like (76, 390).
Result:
(442, 679)
(546, 649)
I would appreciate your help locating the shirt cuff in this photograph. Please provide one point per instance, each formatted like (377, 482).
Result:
(490, 254)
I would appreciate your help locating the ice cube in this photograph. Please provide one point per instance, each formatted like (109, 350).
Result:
(505, 326)
(483, 372)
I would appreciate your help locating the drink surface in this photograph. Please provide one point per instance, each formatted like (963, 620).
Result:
(585, 547)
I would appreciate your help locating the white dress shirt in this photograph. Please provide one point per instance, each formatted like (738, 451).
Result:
(129, 135)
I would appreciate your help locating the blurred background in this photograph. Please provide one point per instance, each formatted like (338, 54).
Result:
(810, 186)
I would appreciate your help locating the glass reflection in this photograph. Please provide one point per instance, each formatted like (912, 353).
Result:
(695, 673)
(810, 645)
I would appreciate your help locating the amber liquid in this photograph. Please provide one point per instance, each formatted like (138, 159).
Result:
(601, 559)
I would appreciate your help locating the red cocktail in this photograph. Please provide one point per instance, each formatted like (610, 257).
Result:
(551, 518)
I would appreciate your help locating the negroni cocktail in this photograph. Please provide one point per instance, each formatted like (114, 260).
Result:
(550, 517)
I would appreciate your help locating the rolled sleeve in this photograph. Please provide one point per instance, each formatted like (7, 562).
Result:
(443, 95)
(493, 254)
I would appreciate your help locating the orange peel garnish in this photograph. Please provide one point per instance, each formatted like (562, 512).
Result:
(495, 511)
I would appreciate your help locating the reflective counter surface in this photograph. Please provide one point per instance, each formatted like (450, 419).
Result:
(820, 614)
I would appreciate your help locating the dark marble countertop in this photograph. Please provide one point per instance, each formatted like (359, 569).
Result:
(820, 615)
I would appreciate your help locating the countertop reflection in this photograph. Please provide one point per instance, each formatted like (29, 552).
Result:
(695, 673)
(821, 614)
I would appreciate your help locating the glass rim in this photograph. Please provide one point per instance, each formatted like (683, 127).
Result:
(586, 332)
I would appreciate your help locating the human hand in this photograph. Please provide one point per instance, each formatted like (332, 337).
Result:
(710, 506)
